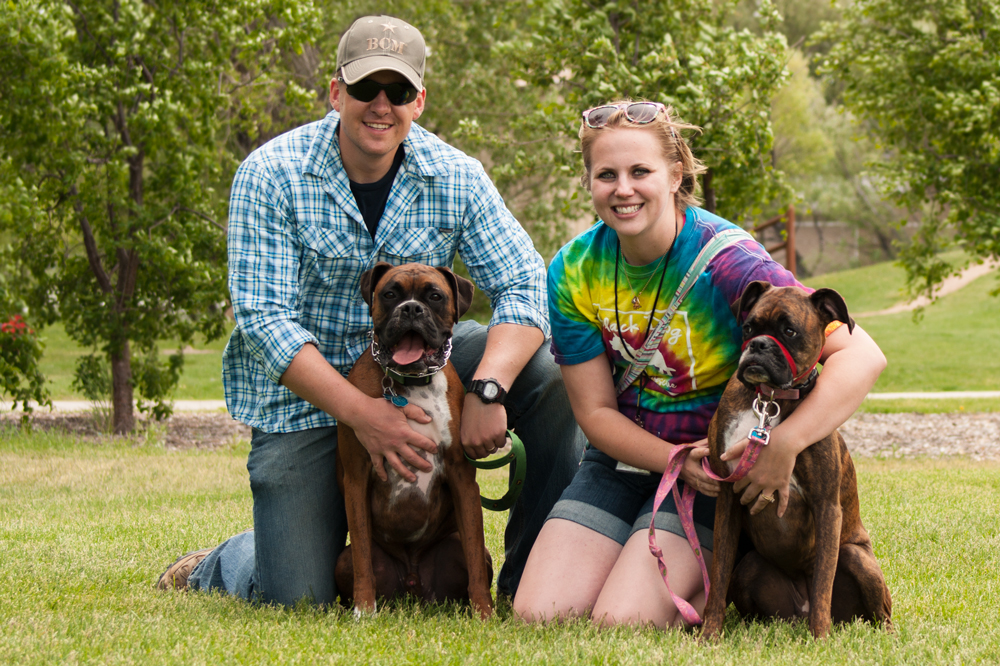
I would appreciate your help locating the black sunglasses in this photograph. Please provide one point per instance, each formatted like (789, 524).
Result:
(366, 90)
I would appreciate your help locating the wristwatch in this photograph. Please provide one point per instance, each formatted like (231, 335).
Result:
(488, 390)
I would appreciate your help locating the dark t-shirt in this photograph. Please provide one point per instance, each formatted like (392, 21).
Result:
(372, 197)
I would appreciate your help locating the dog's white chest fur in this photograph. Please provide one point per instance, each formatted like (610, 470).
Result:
(738, 429)
(433, 399)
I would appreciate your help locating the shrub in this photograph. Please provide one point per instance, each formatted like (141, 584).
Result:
(20, 351)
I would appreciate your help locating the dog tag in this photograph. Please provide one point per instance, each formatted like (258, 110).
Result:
(397, 400)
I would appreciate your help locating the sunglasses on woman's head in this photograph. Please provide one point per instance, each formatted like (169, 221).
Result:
(366, 90)
(639, 113)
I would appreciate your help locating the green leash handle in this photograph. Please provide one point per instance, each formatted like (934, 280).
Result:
(516, 459)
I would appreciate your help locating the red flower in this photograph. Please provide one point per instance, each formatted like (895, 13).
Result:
(15, 325)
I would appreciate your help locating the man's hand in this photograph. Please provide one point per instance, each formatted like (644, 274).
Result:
(693, 474)
(484, 427)
(770, 476)
(380, 426)
(509, 347)
(385, 434)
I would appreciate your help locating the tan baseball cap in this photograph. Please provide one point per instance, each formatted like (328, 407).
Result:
(377, 43)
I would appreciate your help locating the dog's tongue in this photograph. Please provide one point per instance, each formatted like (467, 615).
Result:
(409, 350)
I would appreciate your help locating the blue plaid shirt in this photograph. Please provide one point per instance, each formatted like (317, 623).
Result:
(298, 246)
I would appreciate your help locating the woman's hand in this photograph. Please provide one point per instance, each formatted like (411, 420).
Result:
(770, 476)
(694, 476)
(851, 365)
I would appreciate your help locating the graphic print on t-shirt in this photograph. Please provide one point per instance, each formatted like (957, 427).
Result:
(672, 367)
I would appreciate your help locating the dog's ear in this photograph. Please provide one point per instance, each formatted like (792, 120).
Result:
(749, 298)
(370, 279)
(832, 307)
(462, 290)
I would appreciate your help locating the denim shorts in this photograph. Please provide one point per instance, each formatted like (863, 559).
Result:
(619, 503)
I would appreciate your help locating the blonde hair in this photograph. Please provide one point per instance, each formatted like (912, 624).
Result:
(667, 128)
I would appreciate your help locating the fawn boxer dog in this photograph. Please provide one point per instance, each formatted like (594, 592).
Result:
(816, 561)
(425, 537)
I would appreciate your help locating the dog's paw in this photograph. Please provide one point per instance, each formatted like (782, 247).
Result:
(360, 613)
(483, 607)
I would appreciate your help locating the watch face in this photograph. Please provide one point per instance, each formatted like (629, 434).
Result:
(489, 390)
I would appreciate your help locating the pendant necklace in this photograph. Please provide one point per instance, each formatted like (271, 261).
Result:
(643, 377)
(635, 299)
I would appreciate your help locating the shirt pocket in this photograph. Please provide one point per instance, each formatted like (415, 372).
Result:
(434, 246)
(331, 258)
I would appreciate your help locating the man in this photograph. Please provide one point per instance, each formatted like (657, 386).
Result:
(310, 211)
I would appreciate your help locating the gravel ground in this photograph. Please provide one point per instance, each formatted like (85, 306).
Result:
(183, 430)
(933, 435)
(884, 435)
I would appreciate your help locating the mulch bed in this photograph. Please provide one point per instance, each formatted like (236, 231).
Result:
(975, 435)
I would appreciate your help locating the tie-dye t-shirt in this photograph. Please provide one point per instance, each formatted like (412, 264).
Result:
(701, 350)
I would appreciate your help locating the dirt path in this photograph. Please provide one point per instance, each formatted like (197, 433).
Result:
(950, 285)
(976, 436)
(183, 430)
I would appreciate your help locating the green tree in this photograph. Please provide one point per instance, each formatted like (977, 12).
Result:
(802, 146)
(925, 75)
(681, 53)
(800, 19)
(817, 147)
(114, 121)
(507, 82)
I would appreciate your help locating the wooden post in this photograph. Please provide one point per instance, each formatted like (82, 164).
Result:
(788, 245)
(790, 240)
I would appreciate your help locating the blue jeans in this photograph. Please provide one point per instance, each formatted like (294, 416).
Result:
(300, 527)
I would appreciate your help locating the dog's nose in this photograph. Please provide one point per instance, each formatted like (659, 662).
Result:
(411, 309)
(757, 345)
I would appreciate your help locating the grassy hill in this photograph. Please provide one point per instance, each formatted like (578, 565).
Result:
(867, 289)
(954, 346)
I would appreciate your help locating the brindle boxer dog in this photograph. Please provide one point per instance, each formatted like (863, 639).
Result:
(425, 537)
(816, 561)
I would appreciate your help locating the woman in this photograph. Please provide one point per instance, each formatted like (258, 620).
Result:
(608, 288)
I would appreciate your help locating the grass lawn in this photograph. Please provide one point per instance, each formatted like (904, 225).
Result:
(875, 287)
(86, 529)
(929, 406)
(866, 289)
(201, 378)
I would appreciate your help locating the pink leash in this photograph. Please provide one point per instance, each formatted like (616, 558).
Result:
(758, 437)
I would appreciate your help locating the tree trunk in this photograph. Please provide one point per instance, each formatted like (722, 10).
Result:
(706, 185)
(121, 390)
(128, 269)
(884, 241)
